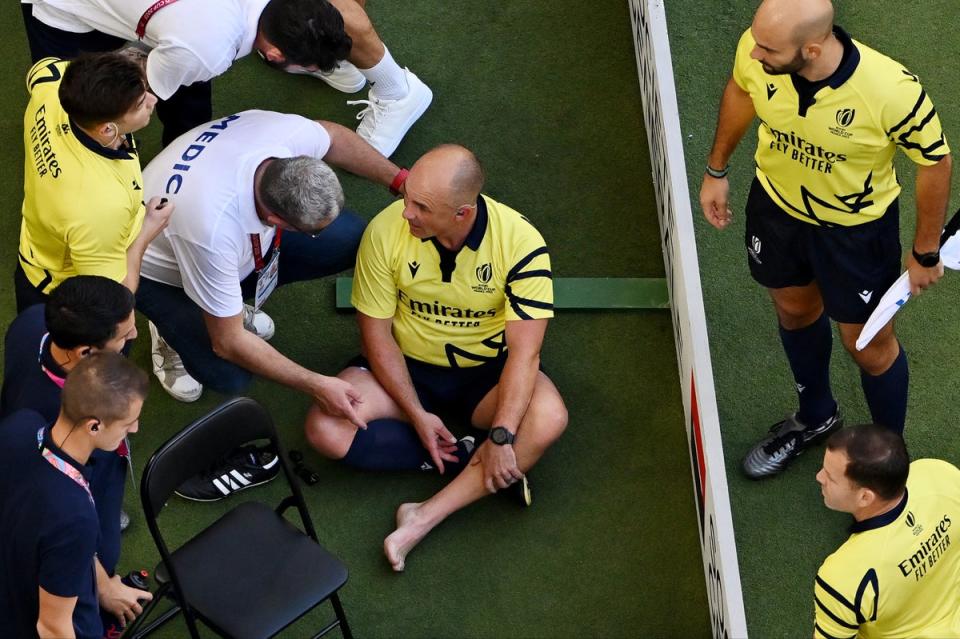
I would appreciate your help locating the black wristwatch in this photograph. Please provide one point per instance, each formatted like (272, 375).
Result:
(927, 260)
(500, 436)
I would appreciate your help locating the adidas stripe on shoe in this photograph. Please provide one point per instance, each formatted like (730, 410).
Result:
(246, 467)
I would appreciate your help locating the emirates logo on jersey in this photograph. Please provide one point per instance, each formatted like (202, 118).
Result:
(845, 117)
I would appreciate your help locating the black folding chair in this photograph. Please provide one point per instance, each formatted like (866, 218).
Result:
(251, 573)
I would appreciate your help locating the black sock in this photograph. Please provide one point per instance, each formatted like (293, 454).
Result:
(808, 351)
(886, 393)
(387, 444)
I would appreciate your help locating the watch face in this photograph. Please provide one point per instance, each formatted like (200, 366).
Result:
(499, 435)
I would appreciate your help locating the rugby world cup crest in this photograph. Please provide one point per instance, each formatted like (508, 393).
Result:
(845, 117)
(484, 273)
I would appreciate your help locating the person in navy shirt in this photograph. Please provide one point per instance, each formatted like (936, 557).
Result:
(49, 527)
(86, 314)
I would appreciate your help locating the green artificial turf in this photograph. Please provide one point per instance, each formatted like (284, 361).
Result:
(783, 530)
(546, 93)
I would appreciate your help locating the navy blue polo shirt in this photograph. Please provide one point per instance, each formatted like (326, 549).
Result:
(48, 532)
(25, 385)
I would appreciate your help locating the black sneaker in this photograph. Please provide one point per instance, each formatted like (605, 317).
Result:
(787, 439)
(246, 467)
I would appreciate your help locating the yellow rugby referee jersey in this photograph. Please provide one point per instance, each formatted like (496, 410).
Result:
(450, 308)
(825, 150)
(82, 203)
(898, 575)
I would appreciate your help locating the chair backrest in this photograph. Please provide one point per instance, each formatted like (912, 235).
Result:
(200, 445)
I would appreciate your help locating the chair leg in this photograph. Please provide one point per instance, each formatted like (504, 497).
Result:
(344, 626)
(134, 630)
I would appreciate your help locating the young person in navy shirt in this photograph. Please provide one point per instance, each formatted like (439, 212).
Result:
(49, 529)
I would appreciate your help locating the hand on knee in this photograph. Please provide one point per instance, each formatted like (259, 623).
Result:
(321, 432)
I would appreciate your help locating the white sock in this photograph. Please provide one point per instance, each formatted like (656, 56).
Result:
(387, 80)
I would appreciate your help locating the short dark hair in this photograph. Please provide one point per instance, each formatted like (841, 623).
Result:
(307, 32)
(102, 385)
(101, 87)
(85, 311)
(878, 458)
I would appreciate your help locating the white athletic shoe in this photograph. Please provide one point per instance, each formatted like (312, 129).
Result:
(258, 322)
(168, 367)
(345, 77)
(383, 123)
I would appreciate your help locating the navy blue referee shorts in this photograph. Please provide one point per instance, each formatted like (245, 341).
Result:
(852, 265)
(454, 392)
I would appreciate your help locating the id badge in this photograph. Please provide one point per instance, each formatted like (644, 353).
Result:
(267, 279)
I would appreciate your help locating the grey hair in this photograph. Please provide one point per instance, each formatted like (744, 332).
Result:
(304, 191)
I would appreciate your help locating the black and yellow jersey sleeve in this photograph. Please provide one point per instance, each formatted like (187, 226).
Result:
(46, 70)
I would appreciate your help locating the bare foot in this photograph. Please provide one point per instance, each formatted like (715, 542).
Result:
(410, 530)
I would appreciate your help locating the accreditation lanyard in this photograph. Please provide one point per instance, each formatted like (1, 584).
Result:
(266, 273)
(67, 469)
(123, 450)
(141, 29)
(56, 379)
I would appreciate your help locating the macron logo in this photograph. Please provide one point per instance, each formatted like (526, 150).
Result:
(771, 89)
(414, 267)
(865, 296)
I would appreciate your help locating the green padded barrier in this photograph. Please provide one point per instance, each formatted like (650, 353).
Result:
(581, 292)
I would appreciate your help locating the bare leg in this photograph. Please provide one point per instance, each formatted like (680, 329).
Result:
(332, 436)
(367, 49)
(544, 421)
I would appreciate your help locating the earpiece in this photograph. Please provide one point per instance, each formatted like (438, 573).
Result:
(95, 426)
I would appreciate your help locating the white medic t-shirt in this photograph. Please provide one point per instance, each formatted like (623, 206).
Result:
(207, 173)
(190, 41)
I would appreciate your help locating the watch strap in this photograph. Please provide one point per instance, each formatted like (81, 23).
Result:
(927, 260)
(508, 437)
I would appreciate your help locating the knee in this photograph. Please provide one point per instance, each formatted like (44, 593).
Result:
(546, 422)
(793, 317)
(323, 434)
(877, 356)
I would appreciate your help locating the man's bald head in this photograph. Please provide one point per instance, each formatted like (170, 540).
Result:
(798, 22)
(455, 171)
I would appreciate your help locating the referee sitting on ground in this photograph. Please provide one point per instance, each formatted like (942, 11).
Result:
(83, 210)
(822, 226)
(453, 292)
(898, 575)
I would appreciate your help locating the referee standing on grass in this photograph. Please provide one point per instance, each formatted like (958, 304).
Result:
(822, 225)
